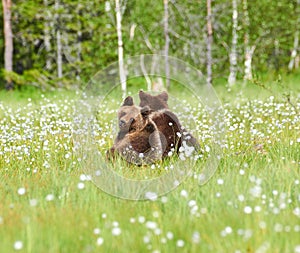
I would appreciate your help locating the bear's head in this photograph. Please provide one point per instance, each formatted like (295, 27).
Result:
(131, 117)
(155, 103)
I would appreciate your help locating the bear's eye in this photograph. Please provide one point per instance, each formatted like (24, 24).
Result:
(122, 114)
(132, 129)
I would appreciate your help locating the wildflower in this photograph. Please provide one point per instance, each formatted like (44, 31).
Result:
(247, 210)
(80, 185)
(116, 231)
(100, 241)
(18, 245)
(21, 191)
(97, 231)
(180, 243)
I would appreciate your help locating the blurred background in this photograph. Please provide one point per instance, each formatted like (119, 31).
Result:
(53, 44)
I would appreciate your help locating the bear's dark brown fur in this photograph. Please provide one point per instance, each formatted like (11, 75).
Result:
(155, 103)
(172, 133)
(138, 140)
(151, 132)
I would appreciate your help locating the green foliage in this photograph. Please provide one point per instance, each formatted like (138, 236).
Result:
(89, 40)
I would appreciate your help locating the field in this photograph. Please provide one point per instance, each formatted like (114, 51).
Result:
(252, 203)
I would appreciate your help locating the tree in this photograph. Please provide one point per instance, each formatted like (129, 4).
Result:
(296, 39)
(233, 51)
(209, 43)
(8, 54)
(47, 35)
(248, 49)
(167, 42)
(58, 43)
(120, 47)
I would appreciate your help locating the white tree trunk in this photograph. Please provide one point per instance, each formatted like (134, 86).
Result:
(146, 75)
(248, 50)
(58, 44)
(167, 42)
(79, 47)
(120, 48)
(294, 53)
(233, 51)
(47, 36)
(209, 43)
(8, 37)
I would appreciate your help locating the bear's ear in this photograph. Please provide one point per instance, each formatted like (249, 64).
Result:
(145, 111)
(128, 101)
(143, 95)
(164, 96)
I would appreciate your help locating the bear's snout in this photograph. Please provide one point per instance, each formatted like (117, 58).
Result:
(122, 123)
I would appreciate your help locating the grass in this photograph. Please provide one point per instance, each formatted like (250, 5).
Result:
(251, 204)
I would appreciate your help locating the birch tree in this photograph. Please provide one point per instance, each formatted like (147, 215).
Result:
(120, 48)
(47, 35)
(58, 42)
(233, 50)
(296, 39)
(167, 42)
(8, 37)
(248, 50)
(209, 43)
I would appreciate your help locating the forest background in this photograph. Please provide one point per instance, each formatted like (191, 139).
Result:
(56, 43)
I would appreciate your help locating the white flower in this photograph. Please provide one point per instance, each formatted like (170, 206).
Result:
(180, 243)
(164, 199)
(297, 249)
(184, 193)
(248, 209)
(207, 148)
(33, 202)
(141, 219)
(100, 241)
(146, 239)
(296, 211)
(50, 197)
(256, 191)
(192, 203)
(220, 181)
(228, 230)
(80, 185)
(170, 235)
(257, 209)
(97, 231)
(151, 225)
(116, 231)
(196, 237)
(21, 191)
(18, 245)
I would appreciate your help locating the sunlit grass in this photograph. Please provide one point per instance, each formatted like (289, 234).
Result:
(49, 204)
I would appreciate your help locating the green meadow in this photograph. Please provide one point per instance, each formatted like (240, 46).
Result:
(48, 202)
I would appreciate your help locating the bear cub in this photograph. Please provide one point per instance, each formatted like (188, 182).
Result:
(151, 131)
(173, 134)
(138, 139)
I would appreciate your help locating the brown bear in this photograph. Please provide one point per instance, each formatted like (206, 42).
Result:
(138, 140)
(155, 103)
(173, 136)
